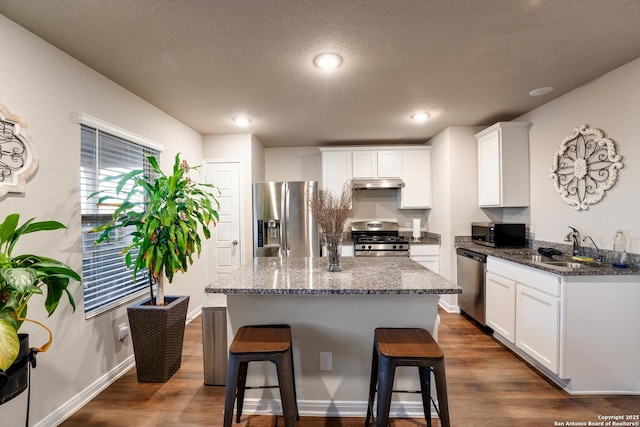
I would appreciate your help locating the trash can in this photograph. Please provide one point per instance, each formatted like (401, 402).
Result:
(214, 345)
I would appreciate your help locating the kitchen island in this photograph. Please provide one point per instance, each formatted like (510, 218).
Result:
(332, 315)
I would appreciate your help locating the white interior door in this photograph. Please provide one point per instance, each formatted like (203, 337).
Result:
(224, 247)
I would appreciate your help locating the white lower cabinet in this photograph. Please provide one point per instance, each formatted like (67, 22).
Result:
(578, 330)
(523, 307)
(538, 325)
(426, 255)
(501, 306)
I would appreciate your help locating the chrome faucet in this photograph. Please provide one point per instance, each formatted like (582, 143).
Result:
(599, 257)
(574, 236)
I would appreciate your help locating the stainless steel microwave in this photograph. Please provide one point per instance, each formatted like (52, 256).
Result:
(499, 235)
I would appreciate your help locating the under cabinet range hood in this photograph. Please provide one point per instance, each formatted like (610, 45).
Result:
(376, 183)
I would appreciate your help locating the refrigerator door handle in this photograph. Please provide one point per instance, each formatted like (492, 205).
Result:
(284, 221)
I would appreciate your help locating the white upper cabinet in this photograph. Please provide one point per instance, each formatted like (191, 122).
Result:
(336, 170)
(377, 164)
(389, 164)
(416, 174)
(365, 164)
(412, 164)
(503, 165)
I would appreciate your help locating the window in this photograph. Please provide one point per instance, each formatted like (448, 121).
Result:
(107, 282)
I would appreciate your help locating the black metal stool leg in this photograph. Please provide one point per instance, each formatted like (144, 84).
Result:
(287, 394)
(386, 375)
(441, 388)
(293, 378)
(231, 388)
(242, 382)
(425, 389)
(373, 383)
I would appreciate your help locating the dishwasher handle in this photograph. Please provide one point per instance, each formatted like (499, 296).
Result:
(476, 256)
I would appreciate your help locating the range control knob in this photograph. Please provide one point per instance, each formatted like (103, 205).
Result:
(394, 247)
(369, 247)
(364, 247)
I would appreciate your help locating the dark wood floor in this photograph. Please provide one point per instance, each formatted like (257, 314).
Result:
(488, 386)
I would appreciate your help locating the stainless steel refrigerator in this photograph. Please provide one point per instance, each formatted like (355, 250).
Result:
(283, 224)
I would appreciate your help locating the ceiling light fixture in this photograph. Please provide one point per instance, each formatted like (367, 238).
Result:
(327, 61)
(541, 91)
(241, 121)
(420, 117)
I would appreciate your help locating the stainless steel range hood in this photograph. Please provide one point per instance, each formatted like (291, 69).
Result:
(376, 183)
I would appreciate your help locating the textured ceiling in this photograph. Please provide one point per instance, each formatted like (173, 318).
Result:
(467, 62)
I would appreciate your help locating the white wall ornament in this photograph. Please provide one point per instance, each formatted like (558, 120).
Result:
(18, 158)
(585, 167)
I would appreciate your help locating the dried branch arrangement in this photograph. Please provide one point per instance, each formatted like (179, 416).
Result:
(332, 210)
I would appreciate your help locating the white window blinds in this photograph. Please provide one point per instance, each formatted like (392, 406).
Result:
(107, 282)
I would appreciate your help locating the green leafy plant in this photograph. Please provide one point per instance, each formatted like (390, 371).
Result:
(23, 276)
(167, 213)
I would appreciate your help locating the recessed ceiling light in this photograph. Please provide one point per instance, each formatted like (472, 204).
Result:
(541, 91)
(241, 121)
(327, 61)
(420, 117)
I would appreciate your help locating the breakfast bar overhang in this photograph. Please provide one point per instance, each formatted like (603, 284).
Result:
(333, 314)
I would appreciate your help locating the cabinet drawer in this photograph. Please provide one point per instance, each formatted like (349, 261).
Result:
(540, 280)
(417, 250)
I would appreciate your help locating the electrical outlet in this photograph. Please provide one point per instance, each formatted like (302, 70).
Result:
(122, 332)
(326, 363)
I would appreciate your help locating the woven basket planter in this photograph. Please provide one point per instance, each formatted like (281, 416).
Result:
(158, 333)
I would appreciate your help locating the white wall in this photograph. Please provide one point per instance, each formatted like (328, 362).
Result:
(46, 87)
(455, 193)
(293, 164)
(610, 103)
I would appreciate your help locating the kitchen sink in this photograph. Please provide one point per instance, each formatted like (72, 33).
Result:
(554, 263)
(563, 264)
(538, 258)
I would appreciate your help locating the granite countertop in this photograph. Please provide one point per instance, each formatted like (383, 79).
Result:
(308, 276)
(520, 256)
(425, 238)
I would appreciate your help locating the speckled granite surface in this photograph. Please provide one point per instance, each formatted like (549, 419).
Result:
(521, 256)
(425, 238)
(308, 276)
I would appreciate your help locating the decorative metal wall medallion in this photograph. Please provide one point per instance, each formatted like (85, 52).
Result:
(585, 167)
(18, 158)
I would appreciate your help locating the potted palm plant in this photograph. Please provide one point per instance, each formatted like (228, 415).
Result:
(21, 277)
(167, 214)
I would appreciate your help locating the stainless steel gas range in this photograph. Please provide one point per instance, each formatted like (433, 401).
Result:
(378, 238)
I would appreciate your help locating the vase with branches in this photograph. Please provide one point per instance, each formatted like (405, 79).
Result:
(332, 211)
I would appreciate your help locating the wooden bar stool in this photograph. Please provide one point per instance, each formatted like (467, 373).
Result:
(261, 343)
(394, 347)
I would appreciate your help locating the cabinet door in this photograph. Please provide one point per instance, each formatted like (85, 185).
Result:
(389, 164)
(538, 325)
(490, 169)
(432, 262)
(416, 174)
(501, 306)
(365, 164)
(336, 170)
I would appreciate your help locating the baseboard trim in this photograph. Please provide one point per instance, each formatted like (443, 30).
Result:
(449, 308)
(79, 400)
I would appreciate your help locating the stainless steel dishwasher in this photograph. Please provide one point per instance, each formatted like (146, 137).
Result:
(472, 267)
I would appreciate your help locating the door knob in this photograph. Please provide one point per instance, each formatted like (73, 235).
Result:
(235, 242)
